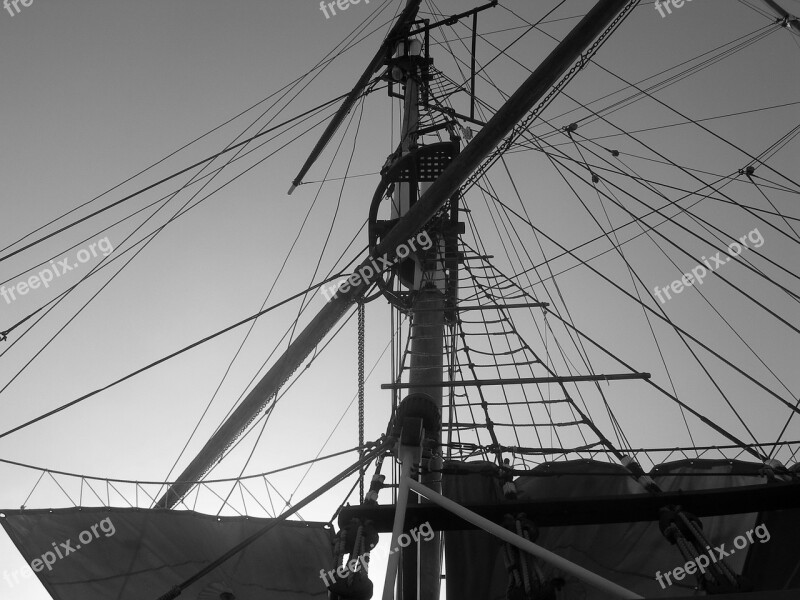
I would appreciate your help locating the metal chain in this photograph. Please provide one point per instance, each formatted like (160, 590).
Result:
(361, 397)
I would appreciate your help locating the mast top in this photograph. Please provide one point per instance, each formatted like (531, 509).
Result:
(398, 31)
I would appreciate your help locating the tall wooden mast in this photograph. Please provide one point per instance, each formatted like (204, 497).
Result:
(421, 564)
(499, 126)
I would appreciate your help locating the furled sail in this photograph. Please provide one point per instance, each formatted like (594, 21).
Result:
(630, 554)
(134, 554)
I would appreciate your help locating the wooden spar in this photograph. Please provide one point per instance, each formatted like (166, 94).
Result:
(570, 568)
(499, 126)
(420, 564)
(520, 381)
(490, 307)
(791, 21)
(597, 510)
(400, 30)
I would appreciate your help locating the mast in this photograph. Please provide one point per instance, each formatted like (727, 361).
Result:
(499, 126)
(421, 563)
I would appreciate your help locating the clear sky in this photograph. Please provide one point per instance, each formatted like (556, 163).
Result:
(92, 92)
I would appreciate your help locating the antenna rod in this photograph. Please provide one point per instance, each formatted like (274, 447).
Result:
(567, 52)
(400, 29)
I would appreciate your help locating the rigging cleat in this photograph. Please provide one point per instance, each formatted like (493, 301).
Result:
(374, 489)
(507, 477)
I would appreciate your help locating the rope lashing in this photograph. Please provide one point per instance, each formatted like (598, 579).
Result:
(775, 471)
(350, 580)
(684, 530)
(526, 580)
(357, 586)
(636, 470)
(507, 477)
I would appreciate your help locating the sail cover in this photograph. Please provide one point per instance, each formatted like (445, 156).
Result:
(135, 554)
(630, 554)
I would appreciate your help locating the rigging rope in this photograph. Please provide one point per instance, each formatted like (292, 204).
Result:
(378, 448)
(165, 358)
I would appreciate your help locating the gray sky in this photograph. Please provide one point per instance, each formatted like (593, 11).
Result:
(93, 92)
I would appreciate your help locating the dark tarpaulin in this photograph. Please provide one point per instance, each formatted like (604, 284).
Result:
(473, 561)
(776, 566)
(627, 553)
(136, 554)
